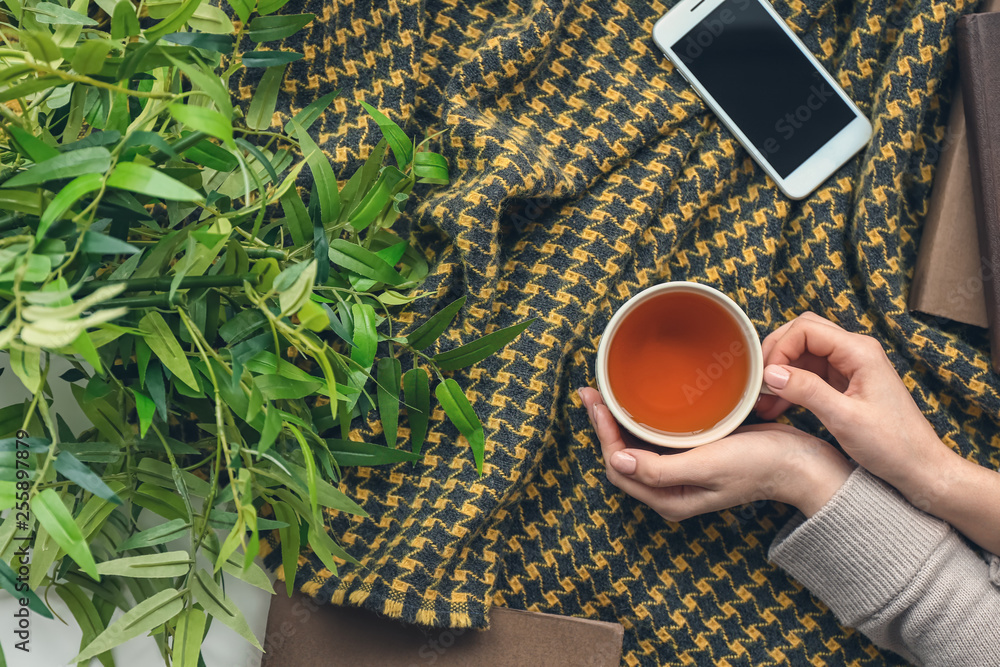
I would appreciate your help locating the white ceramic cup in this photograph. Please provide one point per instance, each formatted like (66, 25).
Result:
(754, 384)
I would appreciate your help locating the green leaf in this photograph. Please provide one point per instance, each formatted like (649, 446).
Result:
(101, 244)
(388, 376)
(364, 262)
(323, 176)
(90, 56)
(327, 495)
(145, 407)
(124, 22)
(211, 19)
(19, 589)
(325, 547)
(145, 616)
(294, 297)
(265, 7)
(205, 120)
(53, 14)
(428, 332)
(221, 608)
(376, 199)
(218, 43)
(461, 414)
(272, 429)
(26, 363)
(400, 144)
(417, 395)
(354, 453)
(311, 112)
(431, 168)
(242, 9)
(208, 82)
(226, 520)
(77, 107)
(274, 388)
(44, 554)
(160, 534)
(65, 198)
(166, 348)
(233, 566)
(161, 473)
(479, 349)
(58, 522)
(149, 566)
(86, 616)
(260, 157)
(270, 28)
(41, 46)
(188, 636)
(29, 145)
(20, 201)
(174, 21)
(365, 334)
(30, 86)
(214, 157)
(289, 537)
(148, 181)
(269, 59)
(296, 218)
(72, 469)
(93, 452)
(96, 160)
(265, 98)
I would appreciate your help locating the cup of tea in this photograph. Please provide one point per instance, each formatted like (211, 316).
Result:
(680, 365)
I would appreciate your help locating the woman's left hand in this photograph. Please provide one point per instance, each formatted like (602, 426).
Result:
(764, 461)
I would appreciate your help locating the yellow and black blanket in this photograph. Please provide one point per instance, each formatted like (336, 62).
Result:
(585, 169)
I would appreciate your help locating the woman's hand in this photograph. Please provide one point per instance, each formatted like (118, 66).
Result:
(766, 461)
(846, 380)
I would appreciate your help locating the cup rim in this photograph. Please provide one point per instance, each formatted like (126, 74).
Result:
(735, 417)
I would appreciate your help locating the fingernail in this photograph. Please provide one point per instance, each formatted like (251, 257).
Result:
(623, 463)
(776, 377)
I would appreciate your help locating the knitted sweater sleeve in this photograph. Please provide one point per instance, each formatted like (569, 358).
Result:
(903, 578)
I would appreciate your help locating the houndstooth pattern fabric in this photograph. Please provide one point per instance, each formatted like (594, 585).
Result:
(585, 169)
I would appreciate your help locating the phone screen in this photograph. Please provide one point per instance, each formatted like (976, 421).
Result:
(764, 83)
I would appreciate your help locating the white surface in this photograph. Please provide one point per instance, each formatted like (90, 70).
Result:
(54, 644)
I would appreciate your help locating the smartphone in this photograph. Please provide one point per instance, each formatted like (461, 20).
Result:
(766, 87)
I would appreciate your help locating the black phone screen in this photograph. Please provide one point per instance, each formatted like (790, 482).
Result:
(764, 83)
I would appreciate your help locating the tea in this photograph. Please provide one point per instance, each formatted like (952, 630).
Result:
(678, 363)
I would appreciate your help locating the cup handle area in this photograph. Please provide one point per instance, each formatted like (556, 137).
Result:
(765, 390)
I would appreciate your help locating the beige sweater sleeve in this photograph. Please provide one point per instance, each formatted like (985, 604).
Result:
(903, 578)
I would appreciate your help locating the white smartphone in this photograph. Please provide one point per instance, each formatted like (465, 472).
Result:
(766, 87)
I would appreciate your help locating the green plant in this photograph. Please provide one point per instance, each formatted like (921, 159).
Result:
(218, 347)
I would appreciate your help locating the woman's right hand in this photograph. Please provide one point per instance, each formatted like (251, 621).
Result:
(847, 381)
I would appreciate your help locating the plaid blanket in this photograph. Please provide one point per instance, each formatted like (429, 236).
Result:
(585, 169)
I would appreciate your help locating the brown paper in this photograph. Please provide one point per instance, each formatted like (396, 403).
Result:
(301, 633)
(948, 278)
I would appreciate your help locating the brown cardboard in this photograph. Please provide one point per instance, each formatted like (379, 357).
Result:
(302, 633)
(948, 280)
